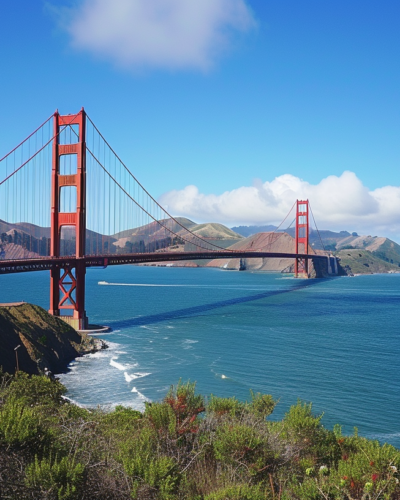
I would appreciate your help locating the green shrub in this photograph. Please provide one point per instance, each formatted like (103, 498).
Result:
(261, 405)
(222, 406)
(236, 442)
(61, 480)
(19, 424)
(36, 390)
(122, 418)
(162, 417)
(300, 421)
(157, 472)
(238, 492)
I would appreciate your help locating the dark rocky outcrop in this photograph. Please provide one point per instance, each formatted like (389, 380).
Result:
(45, 341)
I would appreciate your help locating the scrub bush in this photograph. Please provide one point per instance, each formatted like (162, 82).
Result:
(238, 492)
(20, 425)
(57, 479)
(51, 449)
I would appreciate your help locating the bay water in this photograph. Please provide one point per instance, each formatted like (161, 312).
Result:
(333, 342)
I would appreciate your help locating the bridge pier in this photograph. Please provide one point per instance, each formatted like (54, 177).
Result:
(333, 269)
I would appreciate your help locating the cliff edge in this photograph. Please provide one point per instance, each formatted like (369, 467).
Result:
(45, 341)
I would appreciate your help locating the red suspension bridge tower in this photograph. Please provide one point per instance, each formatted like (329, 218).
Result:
(67, 283)
(302, 234)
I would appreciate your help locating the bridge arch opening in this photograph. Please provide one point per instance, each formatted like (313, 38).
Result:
(67, 241)
(68, 164)
(68, 199)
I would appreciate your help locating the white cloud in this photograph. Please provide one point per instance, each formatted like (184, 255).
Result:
(338, 203)
(157, 33)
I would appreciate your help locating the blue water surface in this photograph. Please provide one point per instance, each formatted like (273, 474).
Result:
(332, 342)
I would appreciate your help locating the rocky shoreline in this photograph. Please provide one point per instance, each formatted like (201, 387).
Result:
(34, 341)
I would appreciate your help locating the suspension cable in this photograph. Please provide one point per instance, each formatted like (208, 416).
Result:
(40, 150)
(152, 217)
(148, 194)
(29, 136)
(316, 227)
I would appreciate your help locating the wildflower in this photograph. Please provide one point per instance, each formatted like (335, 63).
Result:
(374, 477)
(323, 469)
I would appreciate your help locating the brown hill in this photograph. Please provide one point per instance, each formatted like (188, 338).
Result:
(213, 231)
(267, 242)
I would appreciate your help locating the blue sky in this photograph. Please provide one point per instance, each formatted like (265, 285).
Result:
(226, 110)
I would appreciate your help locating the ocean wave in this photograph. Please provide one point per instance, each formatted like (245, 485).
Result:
(117, 365)
(141, 396)
(72, 401)
(187, 344)
(134, 376)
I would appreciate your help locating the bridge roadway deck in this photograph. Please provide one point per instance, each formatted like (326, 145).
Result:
(47, 263)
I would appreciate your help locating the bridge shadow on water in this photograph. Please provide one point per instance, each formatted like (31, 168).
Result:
(194, 311)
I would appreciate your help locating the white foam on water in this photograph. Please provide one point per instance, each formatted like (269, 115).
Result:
(98, 354)
(121, 352)
(102, 334)
(72, 401)
(151, 328)
(187, 344)
(141, 396)
(134, 376)
(117, 365)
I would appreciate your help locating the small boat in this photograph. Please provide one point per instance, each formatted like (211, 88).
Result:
(102, 283)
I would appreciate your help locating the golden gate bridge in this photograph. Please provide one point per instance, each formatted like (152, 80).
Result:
(67, 191)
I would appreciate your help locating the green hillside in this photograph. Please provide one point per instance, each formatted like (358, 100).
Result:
(357, 261)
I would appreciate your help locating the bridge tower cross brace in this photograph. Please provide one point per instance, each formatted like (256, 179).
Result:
(302, 235)
(67, 283)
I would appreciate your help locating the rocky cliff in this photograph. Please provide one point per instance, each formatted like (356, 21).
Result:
(45, 341)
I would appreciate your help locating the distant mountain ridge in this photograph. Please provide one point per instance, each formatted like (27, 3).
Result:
(377, 254)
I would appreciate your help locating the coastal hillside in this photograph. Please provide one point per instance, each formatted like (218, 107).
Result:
(138, 238)
(45, 341)
(213, 230)
(185, 446)
(360, 261)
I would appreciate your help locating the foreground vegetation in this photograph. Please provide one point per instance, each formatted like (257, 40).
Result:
(180, 448)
